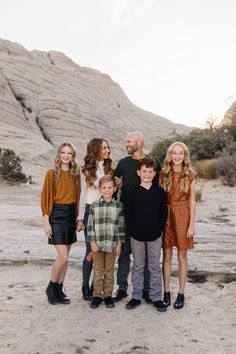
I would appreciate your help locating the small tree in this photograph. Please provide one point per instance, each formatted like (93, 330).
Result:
(10, 166)
(210, 122)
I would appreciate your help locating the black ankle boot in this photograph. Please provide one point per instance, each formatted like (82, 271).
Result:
(63, 299)
(87, 294)
(179, 302)
(167, 299)
(51, 292)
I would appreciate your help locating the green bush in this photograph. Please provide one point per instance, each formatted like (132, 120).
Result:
(10, 167)
(203, 144)
(160, 148)
(207, 169)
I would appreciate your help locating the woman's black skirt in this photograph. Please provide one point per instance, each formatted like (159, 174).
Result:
(63, 223)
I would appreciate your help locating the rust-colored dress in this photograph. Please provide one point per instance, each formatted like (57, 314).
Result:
(178, 215)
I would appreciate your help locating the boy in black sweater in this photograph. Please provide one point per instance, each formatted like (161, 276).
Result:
(146, 210)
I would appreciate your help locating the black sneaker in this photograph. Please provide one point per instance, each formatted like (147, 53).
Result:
(132, 304)
(146, 297)
(109, 302)
(119, 295)
(96, 302)
(159, 306)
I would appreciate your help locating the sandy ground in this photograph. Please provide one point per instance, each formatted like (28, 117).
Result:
(29, 325)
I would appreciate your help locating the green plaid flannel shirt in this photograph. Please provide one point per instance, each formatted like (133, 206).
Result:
(106, 225)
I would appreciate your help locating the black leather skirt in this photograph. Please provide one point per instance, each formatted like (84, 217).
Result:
(63, 223)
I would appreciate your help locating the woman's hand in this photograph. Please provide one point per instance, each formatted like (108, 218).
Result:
(117, 250)
(191, 231)
(47, 227)
(80, 225)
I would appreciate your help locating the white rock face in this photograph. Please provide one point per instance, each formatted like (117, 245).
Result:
(46, 99)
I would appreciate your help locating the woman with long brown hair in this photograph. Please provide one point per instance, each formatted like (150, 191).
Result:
(97, 163)
(59, 203)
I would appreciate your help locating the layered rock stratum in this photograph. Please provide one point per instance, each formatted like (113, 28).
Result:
(229, 115)
(46, 99)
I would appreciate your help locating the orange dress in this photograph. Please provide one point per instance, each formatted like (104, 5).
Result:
(178, 215)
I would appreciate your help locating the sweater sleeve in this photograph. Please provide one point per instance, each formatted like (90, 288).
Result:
(163, 212)
(47, 195)
(129, 213)
(83, 196)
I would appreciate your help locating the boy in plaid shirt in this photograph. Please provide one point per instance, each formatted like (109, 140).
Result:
(106, 232)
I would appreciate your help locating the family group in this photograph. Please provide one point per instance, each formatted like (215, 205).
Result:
(136, 207)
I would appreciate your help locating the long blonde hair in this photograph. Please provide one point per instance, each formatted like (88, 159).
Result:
(73, 168)
(167, 172)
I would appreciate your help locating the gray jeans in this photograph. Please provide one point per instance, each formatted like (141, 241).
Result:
(151, 250)
(124, 267)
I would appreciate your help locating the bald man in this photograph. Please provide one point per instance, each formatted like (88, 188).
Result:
(126, 178)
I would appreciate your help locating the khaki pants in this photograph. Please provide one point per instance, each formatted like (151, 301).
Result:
(103, 274)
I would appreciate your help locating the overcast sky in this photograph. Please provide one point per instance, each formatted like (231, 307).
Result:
(173, 58)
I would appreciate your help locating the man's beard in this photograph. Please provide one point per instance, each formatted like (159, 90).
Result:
(132, 149)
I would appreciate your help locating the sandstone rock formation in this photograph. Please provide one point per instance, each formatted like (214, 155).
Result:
(45, 99)
(229, 115)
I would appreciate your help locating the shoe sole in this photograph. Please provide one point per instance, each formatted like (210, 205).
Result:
(116, 300)
(131, 308)
(161, 310)
(53, 303)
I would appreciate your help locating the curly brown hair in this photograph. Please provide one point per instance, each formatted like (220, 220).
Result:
(93, 155)
(73, 168)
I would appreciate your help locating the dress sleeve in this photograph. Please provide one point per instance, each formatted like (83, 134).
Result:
(83, 196)
(47, 195)
(192, 176)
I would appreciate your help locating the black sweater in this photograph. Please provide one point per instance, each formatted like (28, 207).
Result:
(146, 212)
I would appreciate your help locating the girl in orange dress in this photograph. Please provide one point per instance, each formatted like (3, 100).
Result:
(178, 180)
(59, 203)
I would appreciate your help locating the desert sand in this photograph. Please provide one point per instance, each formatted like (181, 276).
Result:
(29, 325)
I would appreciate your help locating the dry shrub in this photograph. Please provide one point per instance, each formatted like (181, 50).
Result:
(198, 195)
(207, 169)
(227, 168)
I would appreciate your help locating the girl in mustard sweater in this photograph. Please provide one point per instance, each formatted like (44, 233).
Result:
(59, 203)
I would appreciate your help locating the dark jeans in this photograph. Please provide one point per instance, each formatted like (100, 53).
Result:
(124, 267)
(87, 265)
